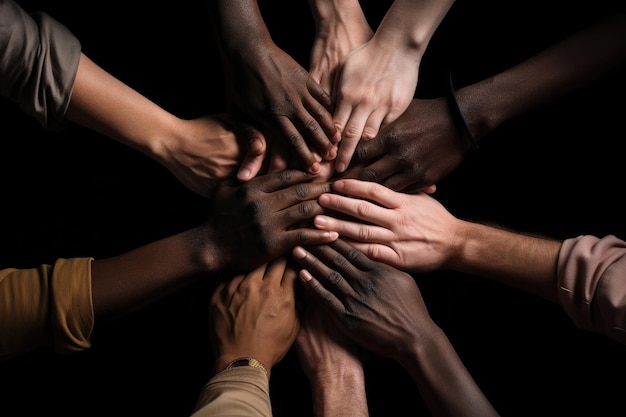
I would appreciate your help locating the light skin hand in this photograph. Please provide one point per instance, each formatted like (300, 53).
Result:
(255, 315)
(375, 85)
(393, 230)
(206, 151)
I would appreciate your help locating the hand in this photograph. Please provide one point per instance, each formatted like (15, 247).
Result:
(207, 151)
(250, 223)
(254, 314)
(409, 231)
(382, 309)
(377, 306)
(375, 85)
(416, 151)
(270, 91)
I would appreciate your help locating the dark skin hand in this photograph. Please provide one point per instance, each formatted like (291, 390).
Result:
(415, 152)
(253, 222)
(268, 91)
(377, 305)
(381, 309)
(276, 95)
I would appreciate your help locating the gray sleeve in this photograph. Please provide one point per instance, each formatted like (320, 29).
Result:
(38, 63)
(592, 284)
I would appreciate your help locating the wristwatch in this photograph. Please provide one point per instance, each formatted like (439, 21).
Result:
(247, 361)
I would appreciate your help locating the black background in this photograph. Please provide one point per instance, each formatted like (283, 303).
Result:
(556, 171)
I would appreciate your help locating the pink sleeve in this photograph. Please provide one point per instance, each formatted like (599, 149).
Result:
(591, 276)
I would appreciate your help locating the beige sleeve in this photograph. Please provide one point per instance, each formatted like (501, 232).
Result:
(46, 306)
(591, 277)
(241, 391)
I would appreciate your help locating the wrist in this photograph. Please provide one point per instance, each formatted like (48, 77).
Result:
(341, 393)
(223, 363)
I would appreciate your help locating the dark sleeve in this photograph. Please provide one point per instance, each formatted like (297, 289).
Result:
(592, 284)
(38, 63)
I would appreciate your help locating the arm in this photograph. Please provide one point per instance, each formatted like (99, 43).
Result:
(333, 364)
(268, 89)
(340, 27)
(401, 225)
(377, 81)
(248, 225)
(199, 152)
(253, 315)
(44, 71)
(382, 310)
(422, 146)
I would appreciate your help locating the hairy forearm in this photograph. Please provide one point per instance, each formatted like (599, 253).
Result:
(577, 60)
(522, 261)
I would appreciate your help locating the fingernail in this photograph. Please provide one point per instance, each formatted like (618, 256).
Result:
(298, 252)
(340, 167)
(243, 174)
(320, 221)
(305, 276)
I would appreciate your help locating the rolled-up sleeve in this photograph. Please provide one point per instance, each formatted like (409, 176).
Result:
(38, 63)
(591, 277)
(46, 306)
(242, 391)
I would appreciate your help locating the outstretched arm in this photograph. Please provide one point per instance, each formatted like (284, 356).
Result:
(267, 89)
(377, 81)
(382, 310)
(424, 145)
(392, 227)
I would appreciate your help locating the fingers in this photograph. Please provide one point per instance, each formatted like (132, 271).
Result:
(329, 284)
(356, 231)
(360, 123)
(253, 160)
(282, 179)
(368, 190)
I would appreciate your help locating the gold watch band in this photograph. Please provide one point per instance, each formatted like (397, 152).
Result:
(247, 361)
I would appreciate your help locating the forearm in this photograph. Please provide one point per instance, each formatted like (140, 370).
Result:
(521, 261)
(325, 11)
(445, 383)
(127, 282)
(560, 69)
(239, 25)
(410, 24)
(106, 105)
(342, 395)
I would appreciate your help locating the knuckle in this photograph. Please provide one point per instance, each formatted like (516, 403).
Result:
(334, 278)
